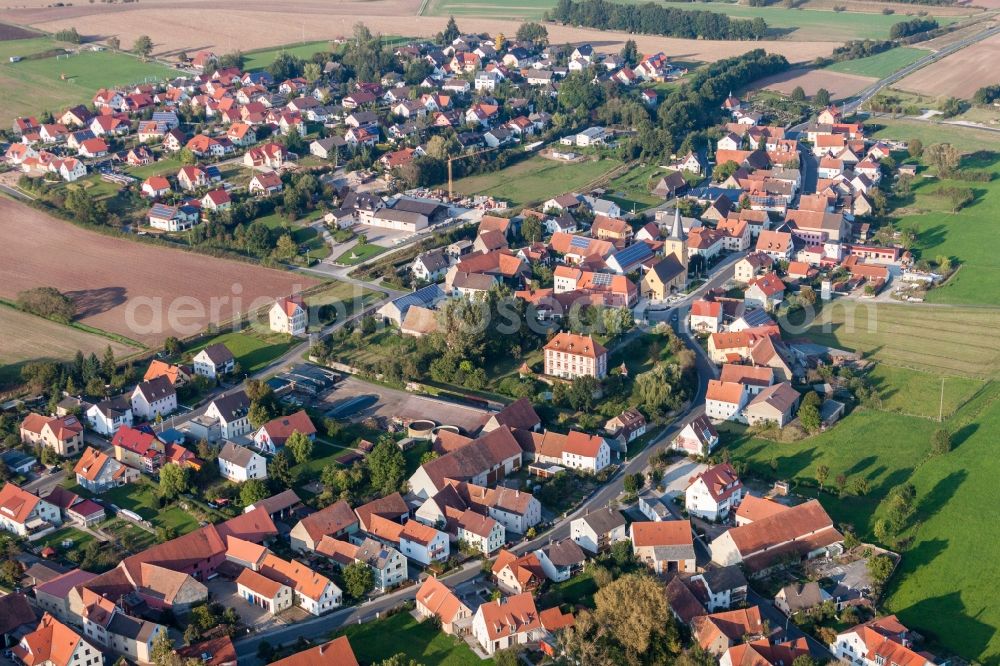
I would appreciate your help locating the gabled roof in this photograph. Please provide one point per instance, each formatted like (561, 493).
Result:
(337, 652)
(438, 599)
(515, 616)
(579, 345)
(392, 507)
(15, 611)
(721, 481)
(218, 353)
(281, 428)
(474, 458)
(16, 504)
(156, 388)
(800, 528)
(753, 508)
(334, 518)
(603, 520)
(235, 454)
(51, 643)
(728, 392)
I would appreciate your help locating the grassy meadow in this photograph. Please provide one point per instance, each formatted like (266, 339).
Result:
(882, 64)
(536, 179)
(33, 85)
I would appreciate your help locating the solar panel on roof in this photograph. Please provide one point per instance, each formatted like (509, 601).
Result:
(602, 279)
(579, 242)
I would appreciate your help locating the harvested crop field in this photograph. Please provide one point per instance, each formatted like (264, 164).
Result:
(142, 292)
(29, 338)
(960, 74)
(839, 84)
(9, 32)
(252, 24)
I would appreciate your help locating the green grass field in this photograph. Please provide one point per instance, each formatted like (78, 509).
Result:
(419, 641)
(303, 234)
(253, 350)
(255, 60)
(882, 64)
(939, 590)
(941, 340)
(360, 253)
(631, 189)
(960, 235)
(799, 24)
(141, 497)
(915, 393)
(31, 86)
(536, 179)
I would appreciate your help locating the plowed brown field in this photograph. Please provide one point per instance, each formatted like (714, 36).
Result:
(123, 286)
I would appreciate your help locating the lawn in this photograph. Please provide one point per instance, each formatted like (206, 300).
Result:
(421, 642)
(882, 64)
(916, 393)
(535, 179)
(254, 60)
(966, 139)
(78, 537)
(360, 253)
(339, 300)
(29, 86)
(939, 590)
(800, 24)
(141, 497)
(960, 235)
(253, 350)
(631, 190)
(304, 235)
(941, 340)
(167, 166)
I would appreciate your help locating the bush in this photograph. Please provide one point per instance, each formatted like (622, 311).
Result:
(47, 302)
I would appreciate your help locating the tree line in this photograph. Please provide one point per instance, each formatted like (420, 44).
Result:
(912, 27)
(652, 19)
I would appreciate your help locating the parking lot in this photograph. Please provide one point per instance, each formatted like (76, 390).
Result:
(391, 403)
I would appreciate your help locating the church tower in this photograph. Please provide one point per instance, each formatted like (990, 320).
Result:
(676, 244)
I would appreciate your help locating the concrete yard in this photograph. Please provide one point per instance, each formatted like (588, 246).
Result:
(395, 403)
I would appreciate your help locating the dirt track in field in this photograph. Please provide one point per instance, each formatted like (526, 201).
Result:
(180, 25)
(119, 284)
(960, 74)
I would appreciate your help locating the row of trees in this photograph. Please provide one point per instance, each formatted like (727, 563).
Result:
(652, 19)
(912, 27)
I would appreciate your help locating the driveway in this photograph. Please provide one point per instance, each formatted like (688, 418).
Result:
(224, 592)
(675, 478)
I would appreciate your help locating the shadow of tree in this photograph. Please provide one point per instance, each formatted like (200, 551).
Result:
(90, 302)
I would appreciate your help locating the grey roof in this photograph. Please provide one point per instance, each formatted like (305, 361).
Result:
(425, 296)
(434, 260)
(655, 503)
(219, 353)
(604, 520)
(475, 281)
(801, 596)
(130, 627)
(236, 454)
(374, 554)
(156, 388)
(113, 407)
(424, 207)
(674, 553)
(405, 216)
(232, 406)
(275, 503)
(724, 578)
(565, 553)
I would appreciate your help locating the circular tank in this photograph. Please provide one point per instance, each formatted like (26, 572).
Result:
(421, 429)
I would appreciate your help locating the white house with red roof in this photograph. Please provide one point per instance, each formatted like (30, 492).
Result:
(498, 625)
(713, 493)
(25, 514)
(724, 401)
(570, 356)
(879, 642)
(155, 186)
(767, 291)
(272, 435)
(216, 200)
(288, 315)
(589, 453)
(265, 183)
(95, 147)
(706, 316)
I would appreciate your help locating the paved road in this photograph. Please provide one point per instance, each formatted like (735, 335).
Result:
(609, 493)
(322, 627)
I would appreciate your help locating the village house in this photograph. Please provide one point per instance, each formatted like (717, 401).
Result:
(288, 315)
(176, 374)
(97, 471)
(239, 463)
(879, 642)
(154, 398)
(213, 361)
(271, 436)
(108, 415)
(498, 625)
(62, 434)
(767, 292)
(804, 531)
(664, 546)
(626, 427)
(25, 514)
(698, 437)
(724, 401)
(337, 520)
(483, 462)
(713, 493)
(706, 316)
(515, 575)
(265, 183)
(53, 643)
(434, 599)
(596, 531)
(229, 415)
(138, 449)
(561, 560)
(775, 404)
(718, 632)
(570, 356)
